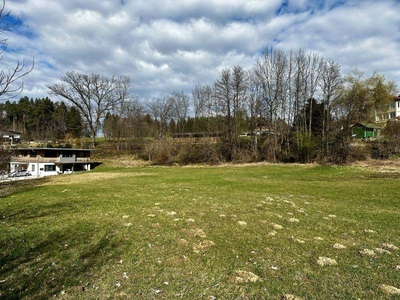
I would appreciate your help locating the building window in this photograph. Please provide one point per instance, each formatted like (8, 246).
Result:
(49, 168)
(33, 168)
(392, 105)
(393, 115)
(398, 104)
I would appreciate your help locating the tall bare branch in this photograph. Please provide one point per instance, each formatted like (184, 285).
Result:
(93, 96)
(10, 79)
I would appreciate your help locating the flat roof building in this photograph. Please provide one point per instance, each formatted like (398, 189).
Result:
(50, 161)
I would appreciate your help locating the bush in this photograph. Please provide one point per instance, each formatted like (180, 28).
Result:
(380, 150)
(160, 151)
(392, 135)
(205, 152)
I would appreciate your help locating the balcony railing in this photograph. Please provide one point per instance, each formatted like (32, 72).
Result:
(60, 159)
(64, 159)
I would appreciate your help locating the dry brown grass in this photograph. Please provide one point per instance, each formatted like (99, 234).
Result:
(125, 161)
(387, 165)
(84, 178)
(240, 276)
(131, 161)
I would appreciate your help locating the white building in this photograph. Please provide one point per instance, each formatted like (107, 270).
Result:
(11, 137)
(392, 113)
(50, 161)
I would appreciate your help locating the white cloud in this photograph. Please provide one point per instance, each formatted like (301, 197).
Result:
(172, 45)
(219, 10)
(361, 34)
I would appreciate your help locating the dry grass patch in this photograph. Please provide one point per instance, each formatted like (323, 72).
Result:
(240, 277)
(390, 290)
(125, 161)
(290, 297)
(389, 246)
(195, 232)
(276, 226)
(382, 251)
(293, 220)
(203, 246)
(383, 166)
(367, 252)
(326, 261)
(177, 260)
(339, 246)
(182, 242)
(87, 177)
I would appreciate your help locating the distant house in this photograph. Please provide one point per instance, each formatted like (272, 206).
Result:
(50, 161)
(391, 113)
(365, 130)
(9, 136)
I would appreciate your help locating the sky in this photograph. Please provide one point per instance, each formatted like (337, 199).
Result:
(172, 45)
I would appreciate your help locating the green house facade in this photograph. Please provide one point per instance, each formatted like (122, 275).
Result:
(365, 130)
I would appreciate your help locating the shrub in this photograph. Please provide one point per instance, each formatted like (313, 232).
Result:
(160, 151)
(204, 152)
(380, 150)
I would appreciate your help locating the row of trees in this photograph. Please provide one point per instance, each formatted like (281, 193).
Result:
(292, 105)
(300, 99)
(42, 119)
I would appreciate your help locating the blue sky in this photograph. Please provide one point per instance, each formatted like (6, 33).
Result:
(173, 45)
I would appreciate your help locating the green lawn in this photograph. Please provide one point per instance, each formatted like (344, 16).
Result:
(232, 232)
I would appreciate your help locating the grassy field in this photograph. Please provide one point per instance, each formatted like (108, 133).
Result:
(227, 232)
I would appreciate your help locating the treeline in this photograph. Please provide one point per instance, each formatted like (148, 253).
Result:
(290, 106)
(42, 119)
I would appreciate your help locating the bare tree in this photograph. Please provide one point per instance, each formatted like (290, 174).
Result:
(180, 107)
(224, 95)
(239, 90)
(134, 113)
(10, 78)
(254, 104)
(290, 82)
(93, 96)
(207, 108)
(202, 100)
(161, 110)
(271, 72)
(330, 83)
(313, 73)
(10, 84)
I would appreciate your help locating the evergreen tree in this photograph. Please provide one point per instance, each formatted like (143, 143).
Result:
(42, 117)
(75, 125)
(60, 117)
(172, 127)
